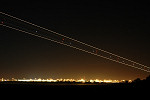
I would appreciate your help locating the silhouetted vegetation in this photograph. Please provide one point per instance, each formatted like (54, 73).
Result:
(148, 78)
(137, 80)
(138, 83)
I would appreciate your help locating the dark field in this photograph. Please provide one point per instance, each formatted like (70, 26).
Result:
(68, 85)
(41, 89)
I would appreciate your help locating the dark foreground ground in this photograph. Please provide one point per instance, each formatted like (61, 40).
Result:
(63, 90)
(68, 85)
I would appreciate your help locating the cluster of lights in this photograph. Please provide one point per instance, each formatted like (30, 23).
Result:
(65, 80)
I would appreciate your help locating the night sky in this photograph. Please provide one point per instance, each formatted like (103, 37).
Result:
(118, 27)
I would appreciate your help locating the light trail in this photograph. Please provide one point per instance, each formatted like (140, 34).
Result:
(73, 39)
(38, 31)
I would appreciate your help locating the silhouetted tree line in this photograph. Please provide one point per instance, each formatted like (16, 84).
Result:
(142, 83)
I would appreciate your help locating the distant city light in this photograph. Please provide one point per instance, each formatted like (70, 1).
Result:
(65, 80)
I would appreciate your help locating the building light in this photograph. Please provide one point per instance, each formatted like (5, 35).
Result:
(81, 80)
(130, 81)
(92, 81)
(108, 81)
(97, 81)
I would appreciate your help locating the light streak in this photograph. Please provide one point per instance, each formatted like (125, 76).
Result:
(74, 47)
(78, 44)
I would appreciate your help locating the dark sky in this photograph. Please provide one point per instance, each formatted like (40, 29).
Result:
(118, 27)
